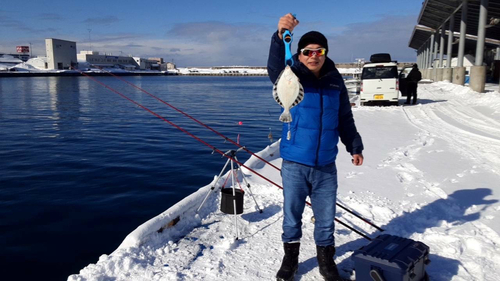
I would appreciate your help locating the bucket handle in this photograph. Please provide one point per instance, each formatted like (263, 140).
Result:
(375, 275)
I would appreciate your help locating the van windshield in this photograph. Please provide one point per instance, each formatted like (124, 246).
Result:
(379, 72)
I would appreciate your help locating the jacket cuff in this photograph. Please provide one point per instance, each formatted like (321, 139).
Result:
(276, 39)
(357, 150)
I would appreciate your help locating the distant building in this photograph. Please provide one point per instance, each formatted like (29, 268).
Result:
(156, 63)
(157, 60)
(168, 66)
(96, 59)
(61, 54)
(22, 57)
(127, 63)
(8, 61)
(147, 64)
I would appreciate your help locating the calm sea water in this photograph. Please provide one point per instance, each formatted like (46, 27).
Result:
(82, 167)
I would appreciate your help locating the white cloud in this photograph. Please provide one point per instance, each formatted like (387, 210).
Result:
(388, 35)
(217, 43)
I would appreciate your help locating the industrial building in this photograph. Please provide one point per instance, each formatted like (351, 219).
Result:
(124, 62)
(61, 54)
(96, 59)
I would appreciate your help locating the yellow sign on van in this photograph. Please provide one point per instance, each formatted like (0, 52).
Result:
(378, 97)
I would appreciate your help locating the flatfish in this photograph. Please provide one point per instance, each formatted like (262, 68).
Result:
(287, 92)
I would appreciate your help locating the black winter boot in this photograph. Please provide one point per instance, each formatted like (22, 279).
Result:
(290, 262)
(327, 266)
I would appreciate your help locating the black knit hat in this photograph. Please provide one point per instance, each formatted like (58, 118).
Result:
(313, 37)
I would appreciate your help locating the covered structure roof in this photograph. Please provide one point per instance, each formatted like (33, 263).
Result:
(436, 14)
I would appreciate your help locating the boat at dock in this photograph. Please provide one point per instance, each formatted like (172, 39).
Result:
(353, 85)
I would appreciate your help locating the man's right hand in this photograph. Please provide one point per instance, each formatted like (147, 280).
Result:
(286, 22)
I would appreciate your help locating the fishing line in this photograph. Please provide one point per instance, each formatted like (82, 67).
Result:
(190, 117)
(205, 143)
(227, 138)
(173, 124)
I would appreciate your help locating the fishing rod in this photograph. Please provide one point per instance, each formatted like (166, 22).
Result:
(214, 149)
(205, 143)
(288, 34)
(189, 116)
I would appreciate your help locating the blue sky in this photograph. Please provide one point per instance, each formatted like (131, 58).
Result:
(209, 33)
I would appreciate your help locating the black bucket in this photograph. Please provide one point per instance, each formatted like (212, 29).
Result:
(226, 201)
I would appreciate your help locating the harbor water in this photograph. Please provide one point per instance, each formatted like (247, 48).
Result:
(81, 167)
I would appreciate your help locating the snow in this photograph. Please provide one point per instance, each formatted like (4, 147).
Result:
(223, 70)
(431, 174)
(350, 71)
(8, 61)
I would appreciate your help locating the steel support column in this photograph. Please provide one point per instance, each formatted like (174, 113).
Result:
(459, 71)
(441, 48)
(450, 42)
(481, 32)
(435, 61)
(431, 51)
(435, 53)
(424, 56)
(478, 71)
(463, 31)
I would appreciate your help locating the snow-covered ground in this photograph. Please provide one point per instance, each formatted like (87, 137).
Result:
(223, 71)
(431, 173)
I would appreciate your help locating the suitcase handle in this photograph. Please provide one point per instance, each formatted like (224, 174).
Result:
(375, 275)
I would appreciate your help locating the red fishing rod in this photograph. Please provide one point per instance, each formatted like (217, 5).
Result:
(189, 116)
(205, 143)
(228, 139)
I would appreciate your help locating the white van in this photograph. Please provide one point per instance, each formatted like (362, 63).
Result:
(379, 83)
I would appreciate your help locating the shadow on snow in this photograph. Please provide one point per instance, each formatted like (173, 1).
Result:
(450, 210)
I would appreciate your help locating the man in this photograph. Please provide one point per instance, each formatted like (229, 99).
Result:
(412, 83)
(309, 155)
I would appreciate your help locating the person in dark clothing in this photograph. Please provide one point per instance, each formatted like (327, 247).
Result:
(309, 155)
(412, 83)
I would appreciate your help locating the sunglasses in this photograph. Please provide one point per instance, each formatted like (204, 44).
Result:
(310, 52)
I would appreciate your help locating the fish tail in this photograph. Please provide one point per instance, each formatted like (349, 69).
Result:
(286, 117)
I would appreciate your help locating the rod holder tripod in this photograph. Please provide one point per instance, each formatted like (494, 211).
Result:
(231, 154)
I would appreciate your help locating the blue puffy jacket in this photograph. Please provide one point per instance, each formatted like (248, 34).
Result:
(321, 118)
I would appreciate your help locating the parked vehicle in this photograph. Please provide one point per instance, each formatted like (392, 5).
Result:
(379, 83)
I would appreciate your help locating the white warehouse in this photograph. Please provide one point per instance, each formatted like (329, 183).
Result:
(96, 59)
(128, 63)
(61, 54)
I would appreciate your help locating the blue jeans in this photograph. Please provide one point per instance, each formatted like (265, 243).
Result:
(320, 184)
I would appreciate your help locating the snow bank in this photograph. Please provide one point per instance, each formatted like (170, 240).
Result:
(183, 211)
(222, 71)
(185, 214)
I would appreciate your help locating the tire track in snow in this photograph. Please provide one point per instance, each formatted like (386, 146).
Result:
(471, 120)
(466, 113)
(481, 149)
(477, 137)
